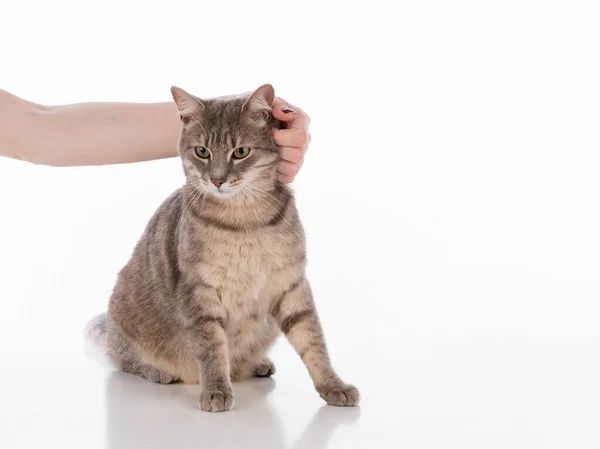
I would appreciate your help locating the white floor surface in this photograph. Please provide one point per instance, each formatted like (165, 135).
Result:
(420, 390)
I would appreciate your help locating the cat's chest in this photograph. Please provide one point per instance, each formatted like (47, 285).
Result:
(239, 266)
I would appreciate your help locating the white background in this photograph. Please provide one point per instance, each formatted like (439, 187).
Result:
(450, 195)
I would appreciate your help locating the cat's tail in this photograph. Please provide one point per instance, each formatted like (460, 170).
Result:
(96, 330)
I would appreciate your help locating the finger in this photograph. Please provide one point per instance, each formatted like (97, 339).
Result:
(299, 121)
(291, 154)
(297, 138)
(282, 111)
(285, 179)
(287, 169)
(287, 112)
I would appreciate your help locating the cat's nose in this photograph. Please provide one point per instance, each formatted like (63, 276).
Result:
(218, 182)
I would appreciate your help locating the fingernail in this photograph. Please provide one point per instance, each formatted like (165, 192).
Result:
(287, 110)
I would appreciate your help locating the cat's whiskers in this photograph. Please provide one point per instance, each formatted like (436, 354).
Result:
(247, 206)
(185, 199)
(189, 201)
(187, 207)
(262, 200)
(247, 197)
(268, 164)
(266, 196)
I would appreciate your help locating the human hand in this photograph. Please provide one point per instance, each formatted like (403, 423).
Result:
(292, 140)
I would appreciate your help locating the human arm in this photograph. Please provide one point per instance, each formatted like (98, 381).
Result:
(86, 133)
(114, 133)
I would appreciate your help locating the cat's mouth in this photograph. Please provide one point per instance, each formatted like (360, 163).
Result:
(223, 192)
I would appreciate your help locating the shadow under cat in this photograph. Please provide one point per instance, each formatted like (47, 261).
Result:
(153, 416)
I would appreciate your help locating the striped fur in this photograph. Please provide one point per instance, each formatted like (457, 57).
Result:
(219, 273)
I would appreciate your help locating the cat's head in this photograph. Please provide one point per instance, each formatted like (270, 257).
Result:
(225, 143)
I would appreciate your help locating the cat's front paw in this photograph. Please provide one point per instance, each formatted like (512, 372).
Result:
(216, 400)
(340, 394)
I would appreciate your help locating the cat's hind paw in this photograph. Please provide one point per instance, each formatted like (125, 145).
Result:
(157, 375)
(266, 368)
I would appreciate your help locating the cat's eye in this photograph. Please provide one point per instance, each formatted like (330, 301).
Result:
(241, 152)
(202, 152)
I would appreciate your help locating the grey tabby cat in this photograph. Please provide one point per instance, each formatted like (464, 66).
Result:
(220, 268)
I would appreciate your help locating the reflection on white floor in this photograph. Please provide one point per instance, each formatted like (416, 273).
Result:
(420, 390)
(140, 414)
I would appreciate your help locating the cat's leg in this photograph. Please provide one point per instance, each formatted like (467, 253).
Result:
(126, 358)
(206, 333)
(217, 394)
(297, 316)
(265, 368)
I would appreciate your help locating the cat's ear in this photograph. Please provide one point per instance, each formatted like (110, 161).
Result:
(261, 100)
(189, 106)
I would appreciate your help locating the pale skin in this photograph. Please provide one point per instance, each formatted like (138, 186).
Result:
(115, 133)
